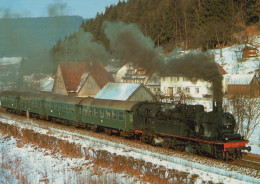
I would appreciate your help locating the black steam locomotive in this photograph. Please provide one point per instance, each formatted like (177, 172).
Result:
(181, 127)
(189, 128)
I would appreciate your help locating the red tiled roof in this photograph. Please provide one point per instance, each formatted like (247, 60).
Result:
(221, 69)
(73, 71)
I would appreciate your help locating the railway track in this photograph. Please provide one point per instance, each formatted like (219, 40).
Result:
(250, 161)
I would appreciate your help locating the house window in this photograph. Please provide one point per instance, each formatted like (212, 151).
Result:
(197, 90)
(158, 89)
(178, 78)
(140, 72)
(170, 91)
(187, 90)
(121, 116)
(89, 85)
(193, 79)
(178, 89)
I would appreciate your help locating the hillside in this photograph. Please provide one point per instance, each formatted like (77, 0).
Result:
(187, 24)
(25, 36)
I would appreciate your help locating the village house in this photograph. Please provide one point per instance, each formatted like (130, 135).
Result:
(178, 84)
(9, 72)
(80, 78)
(127, 73)
(125, 92)
(249, 51)
(243, 84)
(154, 84)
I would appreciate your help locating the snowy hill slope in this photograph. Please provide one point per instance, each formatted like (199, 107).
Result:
(232, 61)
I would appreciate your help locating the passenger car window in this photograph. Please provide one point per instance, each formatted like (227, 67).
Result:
(108, 114)
(95, 112)
(90, 112)
(113, 115)
(85, 111)
(121, 116)
(72, 109)
(102, 113)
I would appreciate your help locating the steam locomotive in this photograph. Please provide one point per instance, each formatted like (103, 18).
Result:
(181, 127)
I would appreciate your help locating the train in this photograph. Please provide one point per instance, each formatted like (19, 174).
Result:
(181, 127)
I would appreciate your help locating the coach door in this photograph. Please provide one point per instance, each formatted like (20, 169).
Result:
(78, 113)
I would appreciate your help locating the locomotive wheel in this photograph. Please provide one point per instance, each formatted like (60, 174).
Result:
(146, 139)
(108, 131)
(180, 148)
(220, 155)
(167, 143)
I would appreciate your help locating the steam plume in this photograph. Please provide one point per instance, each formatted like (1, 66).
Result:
(131, 45)
(80, 46)
(57, 9)
(7, 13)
(199, 66)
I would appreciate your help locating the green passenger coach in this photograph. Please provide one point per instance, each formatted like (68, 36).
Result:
(108, 113)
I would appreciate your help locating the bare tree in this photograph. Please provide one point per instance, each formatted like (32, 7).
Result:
(176, 98)
(252, 106)
(246, 111)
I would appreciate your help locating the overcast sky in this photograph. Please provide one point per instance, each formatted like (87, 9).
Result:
(44, 8)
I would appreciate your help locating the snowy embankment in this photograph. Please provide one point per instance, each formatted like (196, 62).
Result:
(91, 147)
(31, 164)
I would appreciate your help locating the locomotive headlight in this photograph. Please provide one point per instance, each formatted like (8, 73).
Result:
(226, 139)
(227, 126)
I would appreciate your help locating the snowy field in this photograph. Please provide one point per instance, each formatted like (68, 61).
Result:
(37, 164)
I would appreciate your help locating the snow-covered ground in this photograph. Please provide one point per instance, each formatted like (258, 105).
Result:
(31, 164)
(231, 62)
(231, 57)
(38, 164)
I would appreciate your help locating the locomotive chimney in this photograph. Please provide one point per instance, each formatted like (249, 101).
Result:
(217, 105)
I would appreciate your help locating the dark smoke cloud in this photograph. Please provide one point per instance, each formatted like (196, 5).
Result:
(7, 13)
(81, 47)
(57, 9)
(199, 66)
(129, 43)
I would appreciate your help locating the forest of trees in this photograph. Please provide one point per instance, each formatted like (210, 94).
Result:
(187, 24)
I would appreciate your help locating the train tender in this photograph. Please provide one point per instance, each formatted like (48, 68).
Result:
(181, 127)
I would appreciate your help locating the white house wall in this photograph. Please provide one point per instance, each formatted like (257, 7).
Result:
(183, 84)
